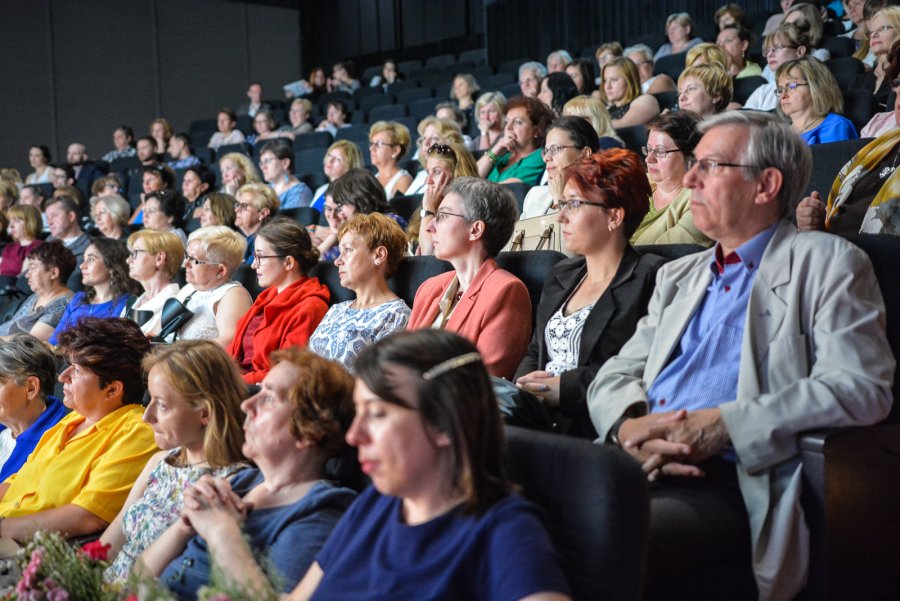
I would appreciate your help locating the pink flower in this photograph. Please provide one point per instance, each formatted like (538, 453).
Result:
(57, 594)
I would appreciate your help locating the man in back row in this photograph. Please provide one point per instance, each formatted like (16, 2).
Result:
(768, 334)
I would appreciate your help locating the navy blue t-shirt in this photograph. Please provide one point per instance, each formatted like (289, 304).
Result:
(504, 554)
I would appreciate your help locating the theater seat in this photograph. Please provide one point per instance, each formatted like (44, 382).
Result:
(597, 503)
(532, 267)
(246, 275)
(412, 272)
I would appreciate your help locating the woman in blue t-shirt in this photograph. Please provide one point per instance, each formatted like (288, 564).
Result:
(439, 521)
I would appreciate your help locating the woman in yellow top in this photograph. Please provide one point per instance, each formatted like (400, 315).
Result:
(82, 470)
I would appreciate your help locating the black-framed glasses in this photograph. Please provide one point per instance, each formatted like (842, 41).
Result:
(709, 166)
(442, 215)
(789, 87)
(195, 261)
(574, 204)
(133, 253)
(659, 152)
(441, 149)
(552, 151)
(257, 258)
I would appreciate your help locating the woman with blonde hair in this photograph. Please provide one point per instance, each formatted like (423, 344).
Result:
(237, 169)
(195, 413)
(807, 17)
(445, 162)
(810, 97)
(25, 227)
(388, 143)
(432, 131)
(154, 261)
(883, 29)
(256, 204)
(785, 43)
(594, 111)
(161, 132)
(621, 91)
(218, 209)
(679, 29)
(705, 54)
(341, 157)
(110, 215)
(705, 89)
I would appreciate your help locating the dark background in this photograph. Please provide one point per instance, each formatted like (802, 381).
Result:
(71, 70)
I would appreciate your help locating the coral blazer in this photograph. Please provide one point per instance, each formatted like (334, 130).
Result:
(494, 313)
(289, 319)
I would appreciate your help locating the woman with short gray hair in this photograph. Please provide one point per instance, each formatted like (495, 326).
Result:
(477, 299)
(28, 374)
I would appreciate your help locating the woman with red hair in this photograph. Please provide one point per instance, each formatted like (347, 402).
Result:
(591, 303)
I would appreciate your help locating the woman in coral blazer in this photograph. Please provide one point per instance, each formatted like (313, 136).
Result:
(478, 300)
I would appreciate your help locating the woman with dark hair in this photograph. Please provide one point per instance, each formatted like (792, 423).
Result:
(465, 91)
(621, 90)
(335, 117)
(440, 515)
(264, 126)
(218, 209)
(292, 303)
(569, 140)
(556, 90)
(39, 158)
(670, 141)
(735, 40)
(276, 160)
(79, 474)
(516, 156)
(164, 212)
(283, 508)
(341, 79)
(49, 268)
(581, 70)
(590, 304)
(357, 192)
(387, 76)
(228, 132)
(484, 303)
(107, 285)
(197, 182)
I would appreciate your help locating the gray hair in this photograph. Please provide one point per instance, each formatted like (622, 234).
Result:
(772, 143)
(117, 206)
(563, 54)
(491, 203)
(641, 48)
(539, 69)
(24, 356)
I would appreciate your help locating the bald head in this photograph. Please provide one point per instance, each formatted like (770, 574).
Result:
(76, 154)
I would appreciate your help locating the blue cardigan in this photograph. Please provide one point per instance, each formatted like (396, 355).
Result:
(27, 440)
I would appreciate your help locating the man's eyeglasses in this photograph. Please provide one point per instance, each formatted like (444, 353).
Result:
(709, 166)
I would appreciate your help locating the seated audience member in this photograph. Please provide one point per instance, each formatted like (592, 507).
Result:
(256, 204)
(387, 76)
(735, 41)
(729, 14)
(154, 260)
(651, 83)
(313, 87)
(372, 247)
(237, 169)
(341, 157)
(298, 115)
(810, 98)
(581, 70)
(146, 151)
(33, 195)
(179, 149)
(156, 178)
(882, 123)
(621, 92)
(671, 140)
(594, 112)
(264, 126)
(49, 268)
(228, 132)
(712, 410)
(39, 158)
(432, 393)
(432, 131)
(464, 91)
(341, 79)
(25, 229)
(28, 374)
(164, 212)
(808, 18)
(883, 28)
(357, 192)
(557, 61)
(291, 304)
(489, 110)
(516, 156)
(530, 76)
(590, 304)
(784, 44)
(388, 143)
(108, 185)
(556, 90)
(679, 28)
(161, 132)
(569, 140)
(705, 54)
(218, 209)
(605, 53)
(276, 159)
(197, 182)
(443, 164)
(110, 215)
(256, 104)
(336, 116)
(107, 285)
(86, 171)
(478, 300)
(195, 414)
(284, 508)
(705, 89)
(123, 144)
(63, 176)
(448, 111)
(9, 194)
(79, 474)
(216, 302)
(62, 219)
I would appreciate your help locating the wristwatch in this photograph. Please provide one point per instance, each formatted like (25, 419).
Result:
(423, 213)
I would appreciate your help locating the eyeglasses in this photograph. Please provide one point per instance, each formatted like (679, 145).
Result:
(441, 149)
(574, 204)
(195, 261)
(258, 258)
(329, 210)
(709, 166)
(552, 151)
(880, 31)
(133, 253)
(442, 215)
(267, 161)
(688, 90)
(789, 87)
(778, 48)
(380, 144)
(659, 152)
(242, 206)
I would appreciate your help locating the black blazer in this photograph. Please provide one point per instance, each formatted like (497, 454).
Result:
(610, 324)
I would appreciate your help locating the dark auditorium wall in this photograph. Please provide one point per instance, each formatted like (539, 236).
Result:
(73, 69)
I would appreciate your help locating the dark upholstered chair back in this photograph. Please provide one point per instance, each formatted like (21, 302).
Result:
(597, 502)
(327, 272)
(246, 275)
(827, 161)
(532, 267)
(412, 272)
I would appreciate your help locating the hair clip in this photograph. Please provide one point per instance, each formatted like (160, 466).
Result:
(451, 364)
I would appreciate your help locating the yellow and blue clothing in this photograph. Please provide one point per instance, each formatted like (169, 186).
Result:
(28, 439)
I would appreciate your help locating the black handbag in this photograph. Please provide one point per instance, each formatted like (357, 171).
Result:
(174, 315)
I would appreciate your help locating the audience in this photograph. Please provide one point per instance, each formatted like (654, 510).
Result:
(276, 159)
(651, 82)
(490, 109)
(164, 212)
(336, 116)
(729, 15)
(256, 204)
(705, 89)
(256, 104)
(161, 132)
(464, 91)
(24, 229)
(291, 304)
(218, 209)
(388, 76)
(123, 144)
(197, 182)
(581, 70)
(883, 28)
(810, 98)
(881, 123)
(444, 163)
(179, 150)
(228, 132)
(621, 91)
(557, 61)
(298, 115)
(530, 76)
(110, 215)
(808, 18)
(678, 30)
(39, 157)
(341, 79)
(62, 219)
(433, 131)
(735, 41)
(154, 260)
(237, 169)
(388, 143)
(516, 156)
(341, 157)
(784, 44)
(594, 112)
(556, 90)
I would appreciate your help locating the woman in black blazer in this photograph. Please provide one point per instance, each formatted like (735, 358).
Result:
(590, 304)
